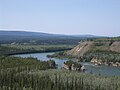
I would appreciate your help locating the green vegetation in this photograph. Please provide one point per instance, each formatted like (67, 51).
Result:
(31, 74)
(37, 47)
(104, 39)
(40, 40)
(8, 49)
(103, 51)
(69, 63)
(61, 54)
(106, 50)
(105, 56)
(22, 64)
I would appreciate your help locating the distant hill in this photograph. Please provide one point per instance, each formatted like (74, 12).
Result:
(39, 34)
(24, 35)
(87, 36)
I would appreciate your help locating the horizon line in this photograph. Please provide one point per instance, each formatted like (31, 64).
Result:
(26, 30)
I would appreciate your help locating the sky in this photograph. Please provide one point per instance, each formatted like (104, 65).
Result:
(74, 17)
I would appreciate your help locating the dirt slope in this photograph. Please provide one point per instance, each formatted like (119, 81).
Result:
(115, 46)
(85, 46)
(80, 49)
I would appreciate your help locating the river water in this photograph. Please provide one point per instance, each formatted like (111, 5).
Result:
(90, 68)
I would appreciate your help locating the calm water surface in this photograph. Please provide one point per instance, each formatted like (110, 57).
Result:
(90, 68)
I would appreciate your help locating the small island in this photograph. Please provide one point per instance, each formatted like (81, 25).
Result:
(74, 66)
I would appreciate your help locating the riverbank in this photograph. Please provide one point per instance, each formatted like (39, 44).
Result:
(60, 55)
(32, 52)
(63, 55)
(100, 62)
(8, 49)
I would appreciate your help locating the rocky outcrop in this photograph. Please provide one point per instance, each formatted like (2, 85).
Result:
(52, 63)
(100, 62)
(73, 66)
(96, 61)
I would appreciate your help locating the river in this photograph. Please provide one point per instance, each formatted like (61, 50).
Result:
(90, 68)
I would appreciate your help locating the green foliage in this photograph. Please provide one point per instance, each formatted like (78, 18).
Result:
(23, 64)
(57, 80)
(105, 39)
(105, 56)
(102, 49)
(69, 63)
(61, 54)
(8, 49)
(31, 74)
(52, 63)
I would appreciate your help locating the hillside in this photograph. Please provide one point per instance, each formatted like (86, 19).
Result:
(41, 34)
(86, 46)
(101, 50)
(80, 49)
(19, 35)
(40, 38)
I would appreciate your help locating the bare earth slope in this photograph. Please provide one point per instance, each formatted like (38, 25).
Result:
(85, 46)
(115, 46)
(80, 49)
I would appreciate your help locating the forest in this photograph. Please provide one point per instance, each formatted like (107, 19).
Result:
(8, 49)
(31, 74)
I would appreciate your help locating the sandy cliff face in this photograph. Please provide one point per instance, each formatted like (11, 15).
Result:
(115, 46)
(80, 49)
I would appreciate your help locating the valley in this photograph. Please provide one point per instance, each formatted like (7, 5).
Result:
(59, 44)
(60, 64)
